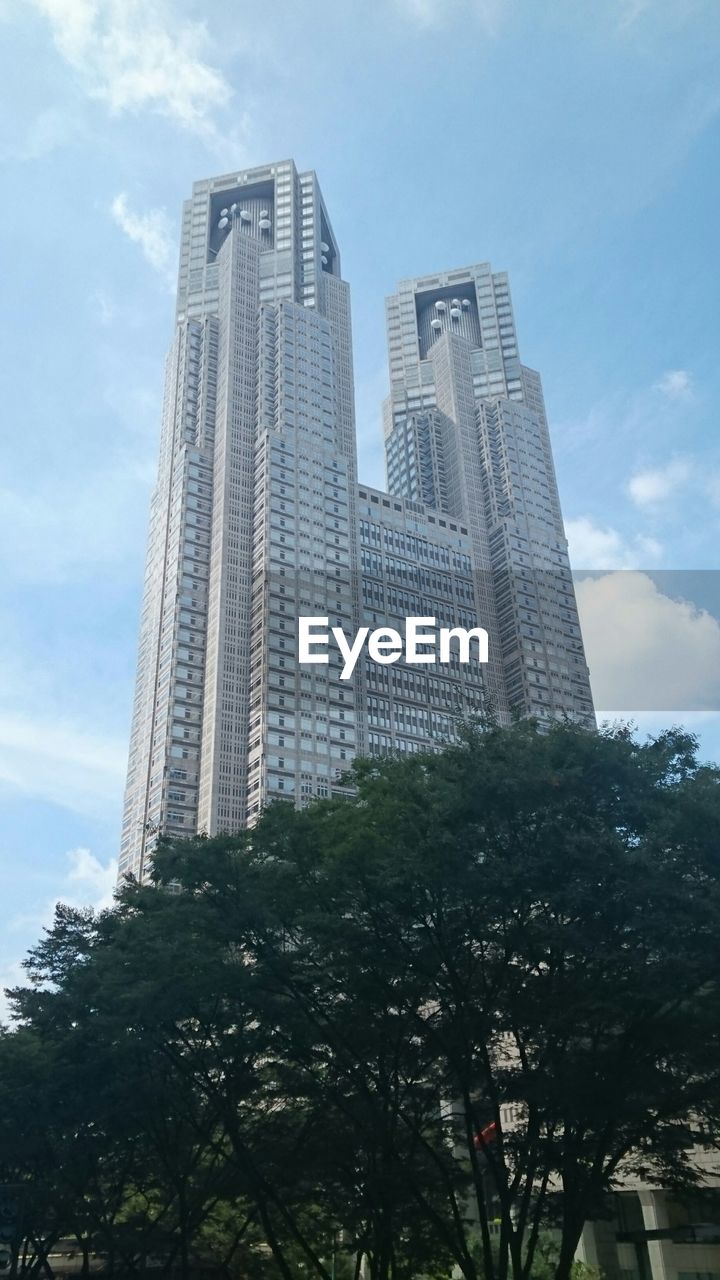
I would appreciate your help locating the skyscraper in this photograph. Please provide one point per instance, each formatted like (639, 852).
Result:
(257, 519)
(466, 435)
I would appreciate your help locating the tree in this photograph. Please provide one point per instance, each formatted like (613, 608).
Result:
(558, 895)
(305, 1119)
(420, 1024)
(127, 1158)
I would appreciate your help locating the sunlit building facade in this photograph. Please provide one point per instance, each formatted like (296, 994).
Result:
(257, 518)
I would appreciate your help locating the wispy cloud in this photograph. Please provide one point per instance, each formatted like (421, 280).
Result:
(655, 485)
(431, 13)
(103, 306)
(665, 12)
(60, 761)
(644, 415)
(140, 54)
(593, 546)
(645, 422)
(49, 130)
(676, 384)
(153, 232)
(630, 10)
(712, 488)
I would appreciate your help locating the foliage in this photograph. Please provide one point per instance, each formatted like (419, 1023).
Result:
(284, 1065)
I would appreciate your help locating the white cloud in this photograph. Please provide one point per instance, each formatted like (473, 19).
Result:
(593, 547)
(647, 651)
(137, 54)
(61, 761)
(676, 384)
(91, 883)
(153, 232)
(647, 488)
(85, 883)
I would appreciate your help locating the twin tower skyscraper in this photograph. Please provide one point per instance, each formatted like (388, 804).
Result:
(258, 520)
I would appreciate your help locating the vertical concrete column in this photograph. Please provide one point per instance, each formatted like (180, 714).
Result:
(598, 1248)
(655, 1217)
(587, 1250)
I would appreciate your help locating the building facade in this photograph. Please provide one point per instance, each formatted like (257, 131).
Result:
(466, 435)
(648, 1233)
(257, 518)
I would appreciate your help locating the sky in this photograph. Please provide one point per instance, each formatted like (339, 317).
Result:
(574, 145)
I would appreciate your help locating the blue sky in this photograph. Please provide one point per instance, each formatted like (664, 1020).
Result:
(573, 144)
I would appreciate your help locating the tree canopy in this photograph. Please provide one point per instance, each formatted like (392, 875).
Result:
(420, 1024)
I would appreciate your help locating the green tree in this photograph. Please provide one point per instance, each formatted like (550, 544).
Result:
(540, 911)
(558, 896)
(128, 1157)
(303, 1084)
(420, 1025)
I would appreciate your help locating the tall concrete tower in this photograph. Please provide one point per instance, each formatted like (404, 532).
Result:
(252, 518)
(257, 519)
(466, 434)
